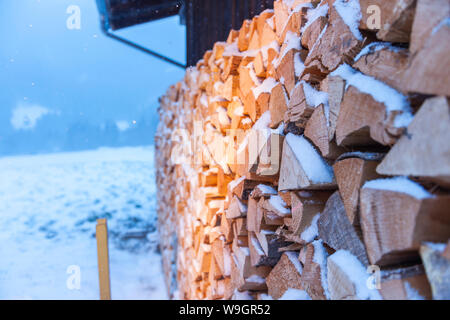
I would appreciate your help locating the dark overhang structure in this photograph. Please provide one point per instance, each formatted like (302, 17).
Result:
(207, 21)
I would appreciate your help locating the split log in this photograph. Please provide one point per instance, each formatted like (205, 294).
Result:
(204, 257)
(263, 190)
(281, 14)
(312, 32)
(257, 254)
(247, 270)
(259, 218)
(302, 167)
(285, 69)
(286, 196)
(265, 219)
(240, 229)
(217, 51)
(277, 206)
(232, 36)
(286, 274)
(351, 173)
(214, 233)
(269, 147)
(299, 111)
(241, 187)
(305, 99)
(258, 64)
(314, 72)
(431, 63)
(242, 283)
(312, 273)
(429, 13)
(226, 228)
(336, 230)
(273, 219)
(278, 105)
(261, 22)
(222, 181)
(437, 268)
(295, 21)
(317, 131)
(231, 67)
(305, 206)
(348, 279)
(255, 42)
(247, 79)
(229, 288)
(236, 209)
(214, 272)
(409, 283)
(220, 120)
(397, 20)
(414, 155)
(252, 214)
(256, 103)
(394, 223)
(387, 65)
(208, 178)
(215, 104)
(230, 88)
(302, 255)
(292, 247)
(244, 35)
(363, 121)
(338, 44)
(336, 90)
(271, 244)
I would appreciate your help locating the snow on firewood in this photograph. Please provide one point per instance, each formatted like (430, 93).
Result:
(299, 66)
(374, 47)
(265, 189)
(356, 272)
(278, 203)
(316, 98)
(293, 257)
(265, 87)
(313, 15)
(381, 92)
(312, 231)
(317, 170)
(320, 257)
(399, 184)
(295, 294)
(292, 41)
(350, 12)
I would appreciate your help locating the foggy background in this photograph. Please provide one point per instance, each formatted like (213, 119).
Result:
(65, 90)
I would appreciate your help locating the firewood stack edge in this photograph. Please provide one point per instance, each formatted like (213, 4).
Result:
(308, 157)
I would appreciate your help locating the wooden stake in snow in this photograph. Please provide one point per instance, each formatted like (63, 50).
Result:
(103, 259)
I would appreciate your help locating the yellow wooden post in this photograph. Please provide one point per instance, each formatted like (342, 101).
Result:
(103, 259)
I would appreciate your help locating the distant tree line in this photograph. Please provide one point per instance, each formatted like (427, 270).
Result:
(49, 136)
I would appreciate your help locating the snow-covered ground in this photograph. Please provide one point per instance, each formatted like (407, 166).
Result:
(48, 210)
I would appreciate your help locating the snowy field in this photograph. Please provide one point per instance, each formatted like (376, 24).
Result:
(48, 210)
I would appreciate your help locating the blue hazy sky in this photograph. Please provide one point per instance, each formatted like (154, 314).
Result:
(81, 73)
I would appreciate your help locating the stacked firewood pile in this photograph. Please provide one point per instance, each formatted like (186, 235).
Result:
(308, 157)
